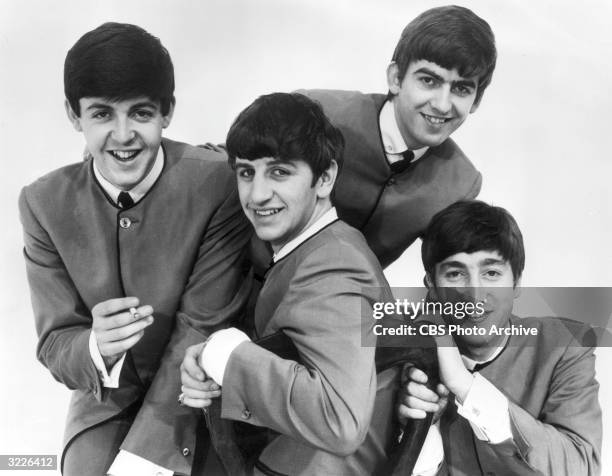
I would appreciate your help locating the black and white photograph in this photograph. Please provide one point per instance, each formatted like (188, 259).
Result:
(218, 216)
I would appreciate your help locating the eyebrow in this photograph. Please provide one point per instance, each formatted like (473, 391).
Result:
(489, 261)
(484, 262)
(460, 82)
(452, 264)
(102, 105)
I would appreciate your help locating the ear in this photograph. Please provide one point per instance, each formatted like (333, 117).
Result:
(393, 81)
(474, 107)
(72, 117)
(517, 288)
(429, 284)
(325, 183)
(168, 117)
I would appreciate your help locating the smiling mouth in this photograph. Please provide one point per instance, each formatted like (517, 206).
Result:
(124, 155)
(435, 120)
(266, 212)
(476, 317)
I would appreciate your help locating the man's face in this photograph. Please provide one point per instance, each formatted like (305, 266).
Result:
(482, 276)
(430, 102)
(122, 136)
(278, 197)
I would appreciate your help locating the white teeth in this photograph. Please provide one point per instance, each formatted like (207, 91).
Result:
(434, 120)
(267, 212)
(124, 154)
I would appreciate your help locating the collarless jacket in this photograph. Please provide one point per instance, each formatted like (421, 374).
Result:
(329, 415)
(179, 249)
(391, 210)
(555, 417)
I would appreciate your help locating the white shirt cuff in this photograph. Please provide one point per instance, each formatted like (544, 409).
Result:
(431, 455)
(217, 351)
(108, 380)
(129, 464)
(486, 409)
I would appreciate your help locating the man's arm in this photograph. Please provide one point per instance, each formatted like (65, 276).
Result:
(566, 438)
(63, 321)
(164, 432)
(325, 401)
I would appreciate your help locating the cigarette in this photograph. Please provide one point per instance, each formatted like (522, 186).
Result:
(134, 313)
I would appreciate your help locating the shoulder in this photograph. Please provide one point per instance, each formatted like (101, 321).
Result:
(58, 184)
(335, 100)
(339, 249)
(200, 168)
(567, 339)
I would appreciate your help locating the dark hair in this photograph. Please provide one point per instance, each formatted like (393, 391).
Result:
(452, 37)
(119, 61)
(469, 226)
(286, 126)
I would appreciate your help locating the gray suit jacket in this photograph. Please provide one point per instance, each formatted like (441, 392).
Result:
(321, 408)
(180, 249)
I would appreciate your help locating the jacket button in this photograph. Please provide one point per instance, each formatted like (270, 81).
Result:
(246, 414)
(125, 222)
(186, 451)
(391, 181)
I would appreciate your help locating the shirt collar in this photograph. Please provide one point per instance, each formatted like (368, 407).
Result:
(392, 139)
(328, 217)
(141, 188)
(470, 364)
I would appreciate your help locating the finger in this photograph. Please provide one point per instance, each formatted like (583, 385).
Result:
(190, 362)
(418, 404)
(193, 382)
(113, 306)
(196, 402)
(125, 332)
(417, 375)
(406, 412)
(443, 392)
(421, 391)
(199, 394)
(119, 347)
(121, 319)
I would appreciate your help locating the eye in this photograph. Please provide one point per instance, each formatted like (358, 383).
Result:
(428, 81)
(453, 274)
(143, 114)
(492, 274)
(100, 115)
(463, 90)
(280, 172)
(244, 173)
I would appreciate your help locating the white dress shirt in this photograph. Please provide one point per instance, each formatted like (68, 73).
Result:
(486, 410)
(111, 379)
(392, 139)
(126, 463)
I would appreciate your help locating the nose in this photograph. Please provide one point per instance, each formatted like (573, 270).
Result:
(475, 289)
(122, 131)
(261, 191)
(441, 100)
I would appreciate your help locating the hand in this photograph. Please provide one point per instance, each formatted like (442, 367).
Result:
(197, 389)
(453, 373)
(115, 327)
(416, 399)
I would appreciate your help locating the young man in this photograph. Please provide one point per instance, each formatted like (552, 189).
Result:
(132, 255)
(400, 165)
(515, 403)
(286, 155)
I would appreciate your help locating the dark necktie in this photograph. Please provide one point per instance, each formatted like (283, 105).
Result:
(125, 200)
(401, 165)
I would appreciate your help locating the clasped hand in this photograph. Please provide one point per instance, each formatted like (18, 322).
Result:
(198, 390)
